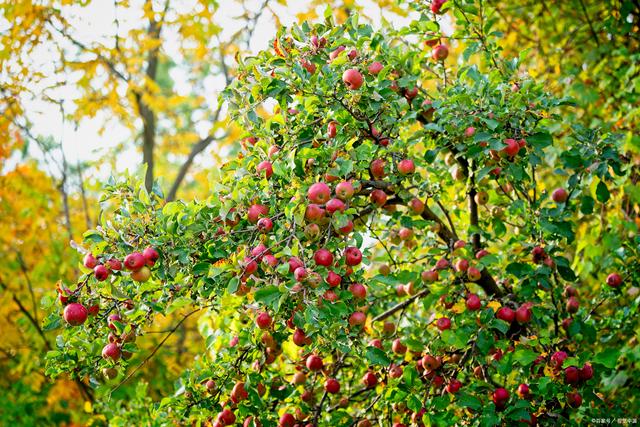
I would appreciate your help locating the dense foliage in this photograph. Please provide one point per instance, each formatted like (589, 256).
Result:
(401, 240)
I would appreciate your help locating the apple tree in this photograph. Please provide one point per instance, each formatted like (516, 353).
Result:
(395, 244)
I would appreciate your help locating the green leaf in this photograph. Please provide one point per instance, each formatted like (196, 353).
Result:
(377, 357)
(468, 401)
(267, 295)
(602, 192)
(524, 356)
(540, 139)
(607, 358)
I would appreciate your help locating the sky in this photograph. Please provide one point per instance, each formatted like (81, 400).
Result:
(96, 23)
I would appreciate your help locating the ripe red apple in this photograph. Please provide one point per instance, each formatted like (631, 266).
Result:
(300, 274)
(332, 386)
(405, 233)
(462, 265)
(344, 190)
(538, 254)
(506, 314)
(319, 193)
(558, 358)
(323, 257)
(134, 261)
(286, 420)
(573, 305)
(239, 393)
(523, 314)
(586, 372)
(431, 363)
(511, 149)
(523, 391)
(294, 263)
(308, 65)
(369, 380)
(255, 212)
(335, 205)
(614, 280)
(358, 290)
(357, 318)
(398, 347)
(375, 67)
(378, 197)
(150, 255)
(574, 399)
(571, 375)
(429, 276)
(468, 132)
(75, 314)
(559, 195)
(346, 229)
(314, 363)
(442, 264)
(299, 378)
(406, 167)
(333, 279)
(473, 302)
(90, 261)
(141, 275)
(111, 351)
(115, 264)
(436, 5)
(100, 272)
(226, 417)
(332, 129)
(416, 206)
(377, 168)
(473, 274)
(454, 386)
(263, 320)
(264, 225)
(352, 256)
(352, 78)
(481, 253)
(443, 323)
(299, 338)
(500, 397)
(330, 296)
(265, 168)
(440, 52)
(313, 212)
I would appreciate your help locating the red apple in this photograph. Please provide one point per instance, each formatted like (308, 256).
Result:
(378, 197)
(358, 290)
(454, 386)
(473, 302)
(468, 132)
(265, 168)
(134, 261)
(573, 305)
(352, 256)
(440, 52)
(614, 280)
(473, 274)
(375, 67)
(115, 264)
(559, 195)
(313, 212)
(264, 225)
(332, 129)
(255, 212)
(263, 320)
(344, 190)
(377, 168)
(500, 397)
(319, 193)
(314, 363)
(75, 314)
(353, 79)
(523, 391)
(443, 323)
(574, 399)
(397, 347)
(406, 167)
(571, 375)
(111, 351)
(90, 261)
(586, 372)
(333, 279)
(511, 149)
(369, 380)
(523, 314)
(323, 257)
(100, 272)
(506, 314)
(558, 358)
(332, 386)
(357, 318)
(335, 205)
(429, 276)
(286, 420)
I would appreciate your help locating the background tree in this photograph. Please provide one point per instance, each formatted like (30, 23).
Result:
(396, 243)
